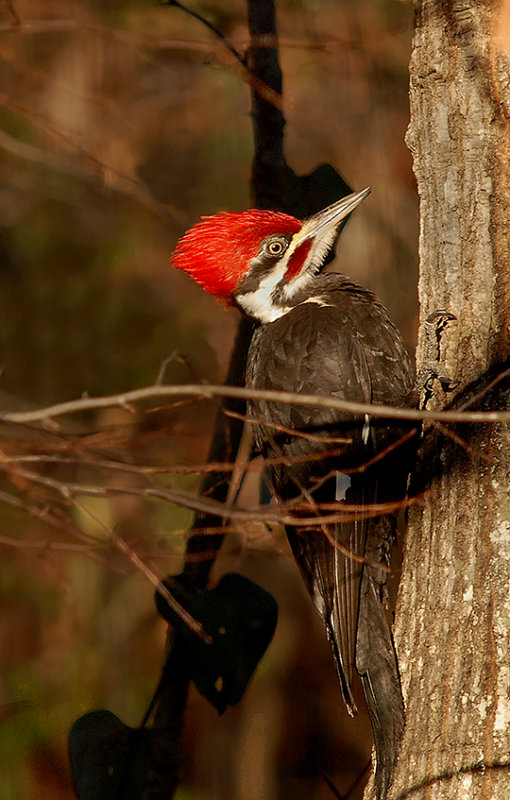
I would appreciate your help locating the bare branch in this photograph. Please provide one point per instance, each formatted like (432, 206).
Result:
(290, 513)
(124, 399)
(179, 469)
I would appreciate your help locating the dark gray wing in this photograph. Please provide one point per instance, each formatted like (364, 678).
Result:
(348, 348)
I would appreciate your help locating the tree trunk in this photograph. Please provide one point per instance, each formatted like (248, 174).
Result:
(453, 615)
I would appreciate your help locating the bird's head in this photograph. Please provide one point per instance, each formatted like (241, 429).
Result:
(260, 260)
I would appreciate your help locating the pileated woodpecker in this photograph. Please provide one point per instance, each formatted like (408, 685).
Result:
(323, 334)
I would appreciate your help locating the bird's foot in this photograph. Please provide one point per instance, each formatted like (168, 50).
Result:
(431, 369)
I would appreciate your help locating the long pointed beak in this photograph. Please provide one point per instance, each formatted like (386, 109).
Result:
(331, 217)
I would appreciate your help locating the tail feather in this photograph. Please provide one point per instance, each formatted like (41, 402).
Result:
(377, 665)
(348, 595)
(334, 582)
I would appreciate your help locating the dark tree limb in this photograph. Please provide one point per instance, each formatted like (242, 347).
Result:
(273, 183)
(274, 186)
(269, 181)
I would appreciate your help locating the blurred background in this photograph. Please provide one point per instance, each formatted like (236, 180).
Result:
(120, 124)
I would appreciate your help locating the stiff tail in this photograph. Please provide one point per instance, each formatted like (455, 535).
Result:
(349, 597)
(376, 660)
(376, 663)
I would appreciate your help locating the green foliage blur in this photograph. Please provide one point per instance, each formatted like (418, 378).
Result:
(120, 124)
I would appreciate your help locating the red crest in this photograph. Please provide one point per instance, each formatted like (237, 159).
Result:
(217, 251)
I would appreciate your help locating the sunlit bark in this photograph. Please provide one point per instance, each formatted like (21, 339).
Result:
(453, 616)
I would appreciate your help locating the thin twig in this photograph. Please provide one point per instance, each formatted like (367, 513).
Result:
(124, 399)
(260, 87)
(270, 514)
(151, 576)
(180, 469)
(237, 55)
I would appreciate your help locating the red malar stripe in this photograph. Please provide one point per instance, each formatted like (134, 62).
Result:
(297, 260)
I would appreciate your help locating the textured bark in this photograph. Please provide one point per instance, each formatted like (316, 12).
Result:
(453, 615)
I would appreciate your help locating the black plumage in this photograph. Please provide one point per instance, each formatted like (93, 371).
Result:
(338, 340)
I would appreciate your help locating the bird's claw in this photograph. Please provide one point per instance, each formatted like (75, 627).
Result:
(446, 316)
(435, 325)
(431, 368)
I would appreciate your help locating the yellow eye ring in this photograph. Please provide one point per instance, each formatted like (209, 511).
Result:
(275, 248)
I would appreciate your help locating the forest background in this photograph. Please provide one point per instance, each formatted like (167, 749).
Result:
(120, 124)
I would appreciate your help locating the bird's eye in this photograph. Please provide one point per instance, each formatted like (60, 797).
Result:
(275, 248)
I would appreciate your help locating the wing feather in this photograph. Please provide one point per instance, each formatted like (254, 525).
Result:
(345, 358)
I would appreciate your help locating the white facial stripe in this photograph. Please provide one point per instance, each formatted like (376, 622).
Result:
(256, 306)
(259, 304)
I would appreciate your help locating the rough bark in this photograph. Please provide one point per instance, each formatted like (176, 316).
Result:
(453, 615)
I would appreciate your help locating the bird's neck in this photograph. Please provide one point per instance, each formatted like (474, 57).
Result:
(272, 298)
